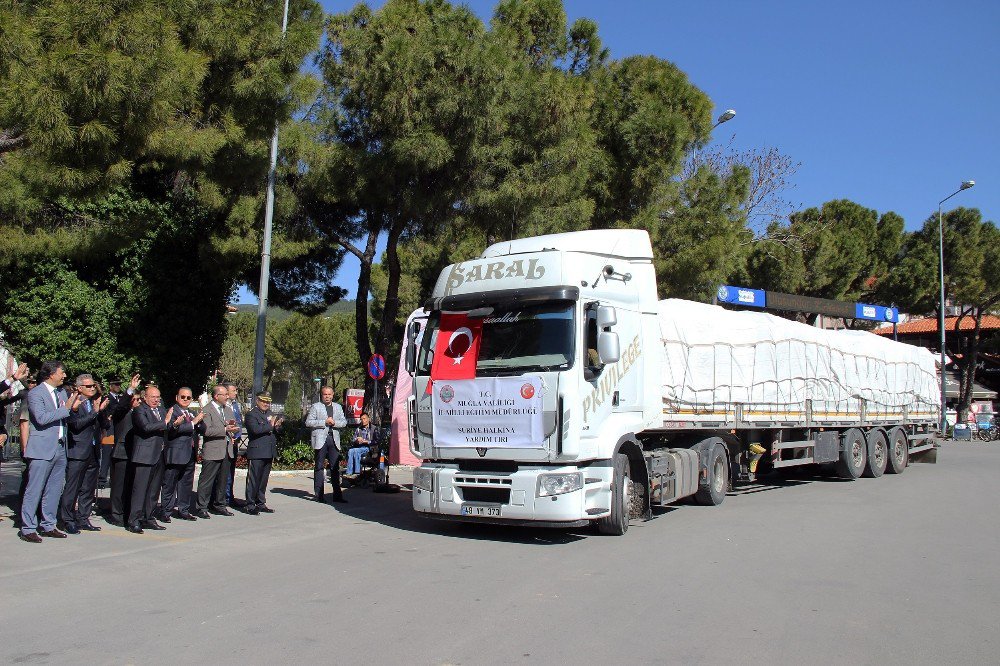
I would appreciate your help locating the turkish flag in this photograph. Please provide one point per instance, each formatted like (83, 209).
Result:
(457, 348)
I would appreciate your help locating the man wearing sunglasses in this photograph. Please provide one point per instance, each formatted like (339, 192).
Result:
(82, 457)
(179, 450)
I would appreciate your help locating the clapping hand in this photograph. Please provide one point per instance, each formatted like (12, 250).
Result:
(170, 413)
(198, 419)
(102, 404)
(73, 402)
(134, 384)
(20, 373)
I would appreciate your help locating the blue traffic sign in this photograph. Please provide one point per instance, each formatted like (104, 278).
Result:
(876, 313)
(741, 296)
(376, 366)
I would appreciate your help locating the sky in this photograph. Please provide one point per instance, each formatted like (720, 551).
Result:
(887, 103)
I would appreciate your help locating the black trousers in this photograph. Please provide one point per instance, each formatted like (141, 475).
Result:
(212, 483)
(145, 491)
(78, 493)
(121, 489)
(329, 453)
(177, 489)
(258, 469)
(105, 465)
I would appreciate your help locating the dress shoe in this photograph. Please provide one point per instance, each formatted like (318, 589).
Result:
(163, 518)
(30, 538)
(184, 516)
(340, 500)
(263, 508)
(221, 512)
(134, 528)
(53, 534)
(115, 522)
(201, 513)
(152, 525)
(251, 510)
(87, 527)
(319, 498)
(72, 529)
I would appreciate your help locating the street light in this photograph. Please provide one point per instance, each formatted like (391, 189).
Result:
(725, 117)
(966, 184)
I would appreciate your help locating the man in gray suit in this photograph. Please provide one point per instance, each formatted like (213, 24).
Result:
(48, 411)
(217, 455)
(324, 418)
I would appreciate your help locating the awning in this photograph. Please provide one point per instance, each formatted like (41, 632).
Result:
(979, 392)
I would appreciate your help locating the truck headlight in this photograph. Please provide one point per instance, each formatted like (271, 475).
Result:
(423, 478)
(559, 483)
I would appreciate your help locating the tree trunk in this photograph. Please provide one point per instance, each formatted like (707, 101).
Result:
(390, 309)
(363, 341)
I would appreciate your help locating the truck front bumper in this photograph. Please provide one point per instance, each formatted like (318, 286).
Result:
(512, 498)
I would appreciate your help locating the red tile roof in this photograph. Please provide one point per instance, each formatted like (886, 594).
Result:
(930, 325)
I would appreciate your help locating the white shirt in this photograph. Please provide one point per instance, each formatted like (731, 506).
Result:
(55, 401)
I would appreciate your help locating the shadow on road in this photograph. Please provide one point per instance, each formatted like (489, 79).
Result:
(395, 510)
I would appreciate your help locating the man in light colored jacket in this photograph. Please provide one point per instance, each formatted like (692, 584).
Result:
(324, 418)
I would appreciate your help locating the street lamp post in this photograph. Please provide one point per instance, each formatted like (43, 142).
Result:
(725, 117)
(265, 254)
(966, 184)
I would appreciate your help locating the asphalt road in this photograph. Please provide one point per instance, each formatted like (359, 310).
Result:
(901, 569)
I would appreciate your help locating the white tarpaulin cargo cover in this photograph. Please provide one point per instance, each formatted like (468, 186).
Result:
(716, 359)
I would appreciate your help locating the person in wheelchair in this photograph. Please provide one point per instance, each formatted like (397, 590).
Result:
(364, 437)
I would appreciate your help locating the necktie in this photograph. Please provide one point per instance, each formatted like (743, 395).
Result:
(86, 406)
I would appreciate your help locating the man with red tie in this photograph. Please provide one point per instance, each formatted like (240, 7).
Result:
(179, 457)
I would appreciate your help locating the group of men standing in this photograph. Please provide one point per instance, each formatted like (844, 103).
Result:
(152, 461)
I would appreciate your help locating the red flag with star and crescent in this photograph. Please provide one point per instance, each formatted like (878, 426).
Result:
(457, 348)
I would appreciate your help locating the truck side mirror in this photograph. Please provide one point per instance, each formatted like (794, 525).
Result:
(606, 316)
(411, 346)
(608, 348)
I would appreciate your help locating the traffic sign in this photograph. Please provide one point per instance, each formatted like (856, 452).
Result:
(376, 366)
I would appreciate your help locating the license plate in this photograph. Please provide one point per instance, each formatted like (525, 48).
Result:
(481, 510)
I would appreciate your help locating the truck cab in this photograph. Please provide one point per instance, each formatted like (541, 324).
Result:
(568, 320)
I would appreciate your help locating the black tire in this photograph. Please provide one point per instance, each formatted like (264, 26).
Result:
(899, 452)
(878, 454)
(854, 455)
(714, 492)
(616, 524)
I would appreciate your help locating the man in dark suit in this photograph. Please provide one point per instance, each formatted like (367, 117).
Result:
(263, 446)
(115, 396)
(216, 455)
(149, 425)
(81, 458)
(121, 484)
(48, 411)
(179, 451)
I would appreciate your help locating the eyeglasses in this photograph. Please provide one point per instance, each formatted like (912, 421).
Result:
(87, 386)
(185, 397)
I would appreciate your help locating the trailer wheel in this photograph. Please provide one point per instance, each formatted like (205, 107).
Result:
(899, 452)
(854, 456)
(616, 524)
(878, 454)
(714, 492)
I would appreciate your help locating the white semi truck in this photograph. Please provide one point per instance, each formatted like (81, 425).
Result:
(552, 387)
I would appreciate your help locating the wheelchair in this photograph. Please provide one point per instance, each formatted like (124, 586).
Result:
(375, 462)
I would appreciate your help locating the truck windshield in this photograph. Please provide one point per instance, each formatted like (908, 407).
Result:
(519, 339)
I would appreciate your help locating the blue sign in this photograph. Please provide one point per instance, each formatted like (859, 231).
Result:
(741, 296)
(376, 366)
(876, 313)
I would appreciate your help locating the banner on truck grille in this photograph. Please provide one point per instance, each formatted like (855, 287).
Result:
(488, 412)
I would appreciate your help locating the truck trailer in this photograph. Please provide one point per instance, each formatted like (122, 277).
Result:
(552, 387)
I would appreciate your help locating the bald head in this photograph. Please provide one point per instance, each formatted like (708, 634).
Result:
(326, 395)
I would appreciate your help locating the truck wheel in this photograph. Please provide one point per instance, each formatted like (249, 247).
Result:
(616, 524)
(714, 492)
(854, 456)
(878, 453)
(899, 452)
